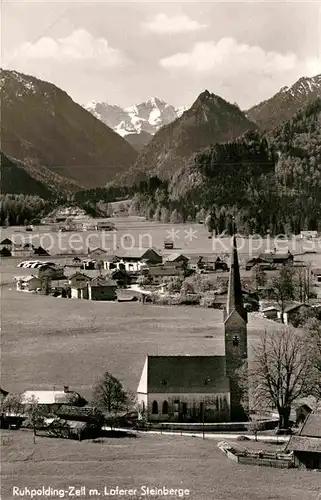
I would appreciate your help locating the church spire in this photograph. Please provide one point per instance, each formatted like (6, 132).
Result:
(234, 298)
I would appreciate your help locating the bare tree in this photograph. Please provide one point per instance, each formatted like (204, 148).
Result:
(282, 371)
(254, 426)
(283, 288)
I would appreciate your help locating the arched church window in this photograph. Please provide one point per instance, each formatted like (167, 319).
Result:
(165, 408)
(155, 408)
(236, 341)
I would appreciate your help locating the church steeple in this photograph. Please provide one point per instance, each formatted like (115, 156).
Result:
(234, 297)
(235, 327)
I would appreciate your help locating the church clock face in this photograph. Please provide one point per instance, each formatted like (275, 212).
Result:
(236, 341)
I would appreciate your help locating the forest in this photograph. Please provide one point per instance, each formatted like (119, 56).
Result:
(266, 183)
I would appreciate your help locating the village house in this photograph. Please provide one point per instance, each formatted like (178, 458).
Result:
(110, 262)
(270, 260)
(98, 254)
(156, 274)
(28, 283)
(101, 288)
(22, 250)
(78, 284)
(148, 255)
(270, 312)
(79, 422)
(196, 388)
(176, 258)
(52, 400)
(305, 406)
(293, 313)
(306, 445)
(6, 243)
(308, 235)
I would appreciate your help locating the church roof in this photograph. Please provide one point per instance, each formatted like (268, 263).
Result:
(179, 374)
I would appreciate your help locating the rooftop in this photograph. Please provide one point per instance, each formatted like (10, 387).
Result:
(177, 373)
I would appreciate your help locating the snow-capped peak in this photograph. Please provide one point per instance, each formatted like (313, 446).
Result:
(305, 86)
(148, 116)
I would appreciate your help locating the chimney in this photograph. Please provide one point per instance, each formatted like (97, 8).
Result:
(66, 388)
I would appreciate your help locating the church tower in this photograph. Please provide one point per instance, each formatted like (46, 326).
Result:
(235, 327)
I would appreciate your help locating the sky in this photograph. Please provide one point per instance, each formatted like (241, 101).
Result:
(125, 52)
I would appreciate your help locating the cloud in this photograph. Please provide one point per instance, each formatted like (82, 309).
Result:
(162, 24)
(237, 71)
(79, 46)
(233, 58)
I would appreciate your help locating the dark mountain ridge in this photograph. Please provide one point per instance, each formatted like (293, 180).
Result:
(285, 103)
(42, 125)
(210, 120)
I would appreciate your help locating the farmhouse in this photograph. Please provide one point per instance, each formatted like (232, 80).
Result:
(51, 271)
(22, 251)
(308, 235)
(78, 283)
(28, 283)
(195, 388)
(97, 253)
(102, 289)
(270, 312)
(6, 243)
(158, 273)
(306, 446)
(176, 257)
(53, 399)
(293, 313)
(79, 422)
(277, 259)
(305, 406)
(149, 255)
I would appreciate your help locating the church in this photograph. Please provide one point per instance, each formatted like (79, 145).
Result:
(200, 388)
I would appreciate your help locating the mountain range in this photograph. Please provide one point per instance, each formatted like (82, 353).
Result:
(136, 123)
(65, 147)
(285, 103)
(209, 120)
(42, 125)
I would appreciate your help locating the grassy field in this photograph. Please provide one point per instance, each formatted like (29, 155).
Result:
(49, 341)
(155, 461)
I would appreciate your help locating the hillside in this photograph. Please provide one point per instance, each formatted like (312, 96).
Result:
(18, 177)
(42, 125)
(137, 123)
(210, 120)
(264, 182)
(285, 103)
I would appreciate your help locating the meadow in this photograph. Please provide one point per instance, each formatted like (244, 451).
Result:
(49, 342)
(155, 461)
